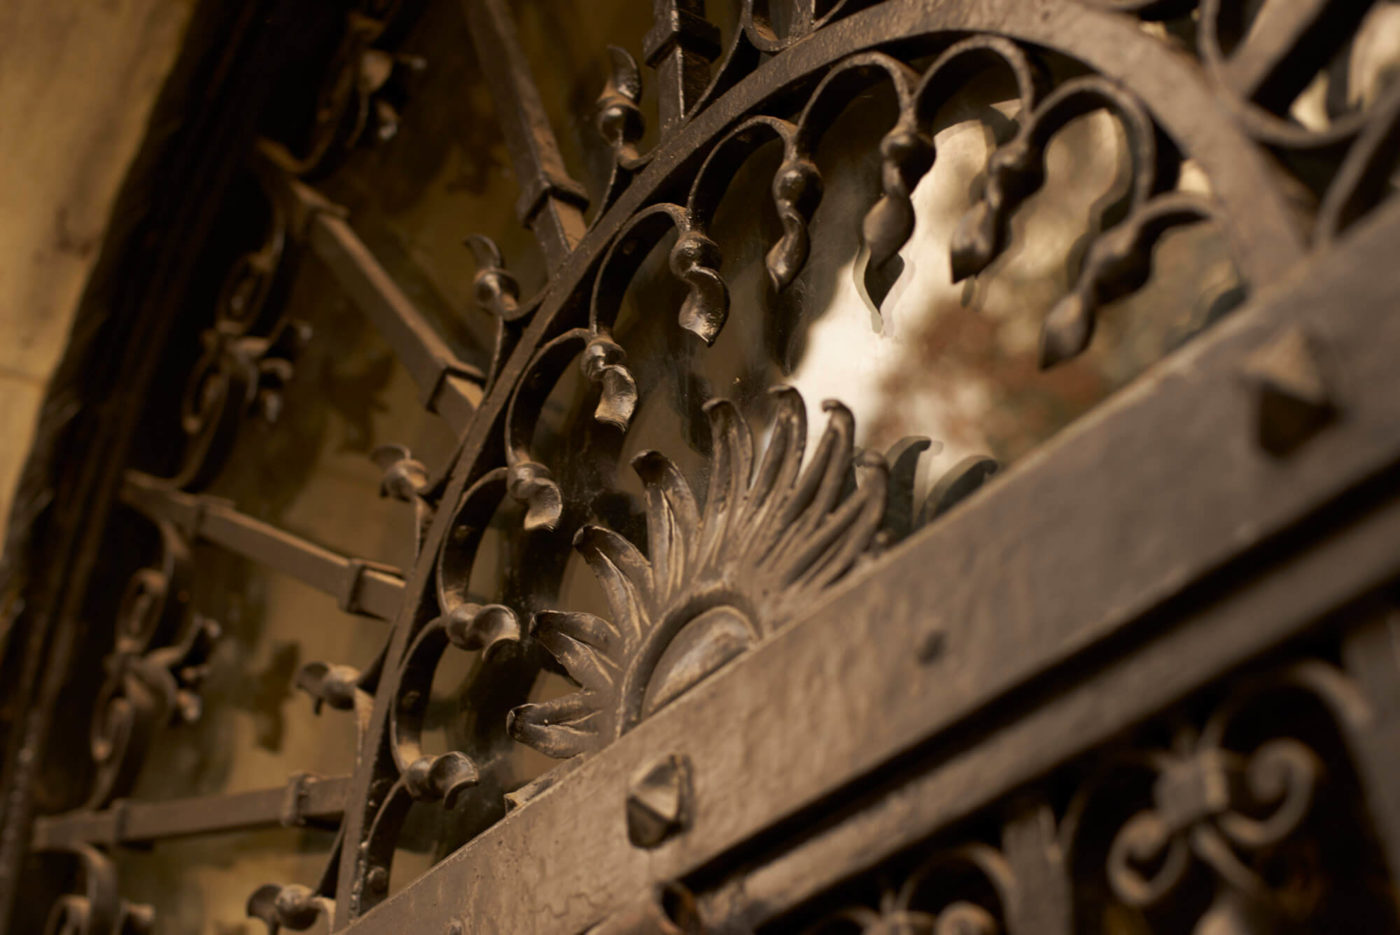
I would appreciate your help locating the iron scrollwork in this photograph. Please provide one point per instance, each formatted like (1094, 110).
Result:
(247, 352)
(155, 669)
(1243, 812)
(715, 579)
(775, 530)
(1243, 808)
(99, 908)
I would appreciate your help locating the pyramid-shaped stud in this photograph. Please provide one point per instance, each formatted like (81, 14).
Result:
(658, 801)
(1293, 401)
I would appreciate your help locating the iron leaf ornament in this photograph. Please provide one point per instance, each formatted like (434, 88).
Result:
(716, 580)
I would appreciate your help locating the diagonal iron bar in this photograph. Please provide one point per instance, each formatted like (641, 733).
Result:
(551, 202)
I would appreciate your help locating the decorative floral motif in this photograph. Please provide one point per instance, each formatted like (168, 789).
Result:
(1222, 808)
(714, 582)
(155, 671)
(1202, 806)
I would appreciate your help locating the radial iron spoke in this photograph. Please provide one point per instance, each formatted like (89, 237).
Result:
(359, 586)
(551, 203)
(450, 387)
(304, 800)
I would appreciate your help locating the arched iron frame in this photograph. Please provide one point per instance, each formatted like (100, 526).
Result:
(1236, 498)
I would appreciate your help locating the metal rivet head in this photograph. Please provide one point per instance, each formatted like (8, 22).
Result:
(658, 801)
(932, 646)
(377, 880)
(1293, 401)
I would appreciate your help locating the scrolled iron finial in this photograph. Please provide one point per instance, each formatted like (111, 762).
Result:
(604, 363)
(497, 292)
(619, 120)
(293, 907)
(797, 189)
(328, 684)
(695, 259)
(441, 778)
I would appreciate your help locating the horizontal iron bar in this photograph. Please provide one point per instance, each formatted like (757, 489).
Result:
(1104, 528)
(304, 800)
(360, 587)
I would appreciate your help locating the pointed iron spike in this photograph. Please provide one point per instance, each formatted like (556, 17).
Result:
(973, 246)
(659, 801)
(1067, 330)
(886, 227)
(1293, 397)
(701, 317)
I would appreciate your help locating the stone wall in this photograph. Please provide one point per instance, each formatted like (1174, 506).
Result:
(78, 79)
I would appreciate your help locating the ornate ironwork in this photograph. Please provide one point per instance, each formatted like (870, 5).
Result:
(820, 671)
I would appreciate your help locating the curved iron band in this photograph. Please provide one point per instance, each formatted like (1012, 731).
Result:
(418, 665)
(626, 252)
(1128, 597)
(1264, 237)
(1262, 231)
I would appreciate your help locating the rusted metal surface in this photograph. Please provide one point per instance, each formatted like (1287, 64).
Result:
(304, 800)
(1032, 700)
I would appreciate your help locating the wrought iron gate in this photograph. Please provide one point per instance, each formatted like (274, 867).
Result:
(1136, 670)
